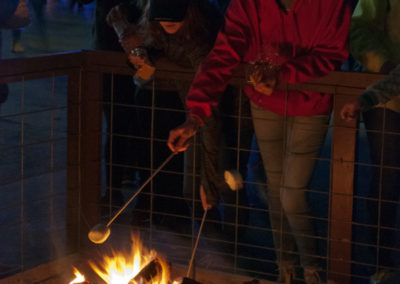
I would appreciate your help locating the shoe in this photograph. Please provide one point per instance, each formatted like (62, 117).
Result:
(311, 276)
(17, 47)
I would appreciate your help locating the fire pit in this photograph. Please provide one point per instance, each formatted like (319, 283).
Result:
(61, 271)
(137, 266)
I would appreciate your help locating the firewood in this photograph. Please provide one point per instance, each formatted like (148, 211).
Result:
(148, 272)
(187, 280)
(254, 281)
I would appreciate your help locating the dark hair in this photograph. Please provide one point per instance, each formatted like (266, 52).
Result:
(168, 11)
(197, 25)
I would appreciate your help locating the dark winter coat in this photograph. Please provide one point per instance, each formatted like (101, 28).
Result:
(187, 51)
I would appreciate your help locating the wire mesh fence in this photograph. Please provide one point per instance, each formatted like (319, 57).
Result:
(33, 173)
(77, 142)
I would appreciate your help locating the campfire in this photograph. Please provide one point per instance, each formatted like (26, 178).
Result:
(137, 266)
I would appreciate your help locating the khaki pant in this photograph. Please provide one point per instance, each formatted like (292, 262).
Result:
(289, 147)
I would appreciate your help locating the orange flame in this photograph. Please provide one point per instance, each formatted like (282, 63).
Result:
(121, 268)
(79, 278)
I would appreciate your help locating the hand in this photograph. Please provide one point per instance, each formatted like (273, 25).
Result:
(265, 88)
(130, 42)
(263, 77)
(203, 198)
(179, 138)
(137, 61)
(351, 111)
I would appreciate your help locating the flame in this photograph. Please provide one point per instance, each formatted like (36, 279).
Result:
(121, 268)
(79, 278)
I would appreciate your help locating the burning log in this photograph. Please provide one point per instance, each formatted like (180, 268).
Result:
(187, 280)
(79, 278)
(148, 272)
(254, 281)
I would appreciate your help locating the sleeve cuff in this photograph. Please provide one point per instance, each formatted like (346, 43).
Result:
(368, 100)
(199, 113)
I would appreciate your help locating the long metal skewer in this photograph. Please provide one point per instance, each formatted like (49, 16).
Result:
(196, 243)
(140, 189)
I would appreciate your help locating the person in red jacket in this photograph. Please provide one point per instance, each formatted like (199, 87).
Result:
(289, 41)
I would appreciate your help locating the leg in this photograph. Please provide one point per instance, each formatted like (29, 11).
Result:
(211, 176)
(16, 44)
(270, 133)
(38, 7)
(256, 175)
(305, 138)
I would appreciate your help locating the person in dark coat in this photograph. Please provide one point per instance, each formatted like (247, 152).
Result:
(118, 107)
(7, 9)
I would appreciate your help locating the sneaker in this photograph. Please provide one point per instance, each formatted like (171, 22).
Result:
(311, 276)
(17, 47)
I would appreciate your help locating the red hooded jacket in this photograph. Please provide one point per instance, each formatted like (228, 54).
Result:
(307, 42)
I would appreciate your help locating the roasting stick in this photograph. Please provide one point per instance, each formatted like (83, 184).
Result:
(99, 233)
(196, 243)
(140, 189)
(235, 182)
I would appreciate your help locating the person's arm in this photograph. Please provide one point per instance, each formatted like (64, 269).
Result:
(330, 50)
(123, 19)
(215, 71)
(380, 92)
(368, 38)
